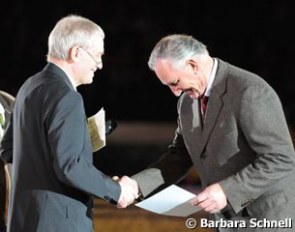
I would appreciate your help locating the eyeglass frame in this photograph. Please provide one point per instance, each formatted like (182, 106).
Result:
(97, 63)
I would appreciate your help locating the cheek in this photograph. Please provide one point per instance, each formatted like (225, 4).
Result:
(197, 84)
(203, 82)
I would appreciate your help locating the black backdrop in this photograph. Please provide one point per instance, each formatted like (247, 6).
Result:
(254, 35)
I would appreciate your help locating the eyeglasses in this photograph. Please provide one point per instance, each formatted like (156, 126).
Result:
(97, 63)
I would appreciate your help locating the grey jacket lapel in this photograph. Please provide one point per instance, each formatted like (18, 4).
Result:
(215, 102)
(190, 122)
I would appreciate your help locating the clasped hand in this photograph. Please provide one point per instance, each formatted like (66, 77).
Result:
(129, 191)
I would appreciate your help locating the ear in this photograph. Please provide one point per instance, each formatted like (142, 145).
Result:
(74, 54)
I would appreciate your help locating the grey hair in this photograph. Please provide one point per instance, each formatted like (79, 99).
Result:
(177, 48)
(71, 31)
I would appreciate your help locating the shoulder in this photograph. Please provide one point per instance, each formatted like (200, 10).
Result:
(239, 79)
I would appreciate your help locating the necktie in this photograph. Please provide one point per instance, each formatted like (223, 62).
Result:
(204, 101)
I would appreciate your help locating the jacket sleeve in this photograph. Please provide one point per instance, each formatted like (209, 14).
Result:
(263, 124)
(72, 152)
(169, 169)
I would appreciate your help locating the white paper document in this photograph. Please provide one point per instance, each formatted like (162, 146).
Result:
(171, 201)
(96, 128)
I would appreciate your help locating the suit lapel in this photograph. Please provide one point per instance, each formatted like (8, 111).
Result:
(213, 110)
(215, 103)
(190, 122)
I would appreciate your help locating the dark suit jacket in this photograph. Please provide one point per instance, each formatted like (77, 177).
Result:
(53, 175)
(244, 144)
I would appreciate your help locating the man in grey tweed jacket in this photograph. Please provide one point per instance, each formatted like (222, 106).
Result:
(240, 147)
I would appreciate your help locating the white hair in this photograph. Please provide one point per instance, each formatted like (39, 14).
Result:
(177, 48)
(71, 31)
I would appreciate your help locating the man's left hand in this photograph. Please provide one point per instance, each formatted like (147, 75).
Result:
(212, 199)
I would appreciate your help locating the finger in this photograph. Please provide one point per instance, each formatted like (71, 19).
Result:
(121, 205)
(194, 201)
(198, 199)
(124, 203)
(212, 209)
(207, 205)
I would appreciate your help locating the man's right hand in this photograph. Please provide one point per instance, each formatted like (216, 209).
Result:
(129, 192)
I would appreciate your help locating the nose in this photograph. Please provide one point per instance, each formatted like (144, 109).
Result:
(99, 65)
(176, 90)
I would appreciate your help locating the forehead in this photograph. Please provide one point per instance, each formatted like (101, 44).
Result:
(165, 71)
(98, 43)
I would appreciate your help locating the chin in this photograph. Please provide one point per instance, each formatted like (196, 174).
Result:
(89, 81)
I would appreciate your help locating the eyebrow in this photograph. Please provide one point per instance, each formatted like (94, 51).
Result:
(174, 83)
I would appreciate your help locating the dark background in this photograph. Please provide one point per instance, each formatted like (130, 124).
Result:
(255, 35)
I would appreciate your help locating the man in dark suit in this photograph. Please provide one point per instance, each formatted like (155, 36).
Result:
(6, 105)
(239, 141)
(53, 176)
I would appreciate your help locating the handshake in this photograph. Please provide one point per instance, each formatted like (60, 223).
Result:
(129, 191)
